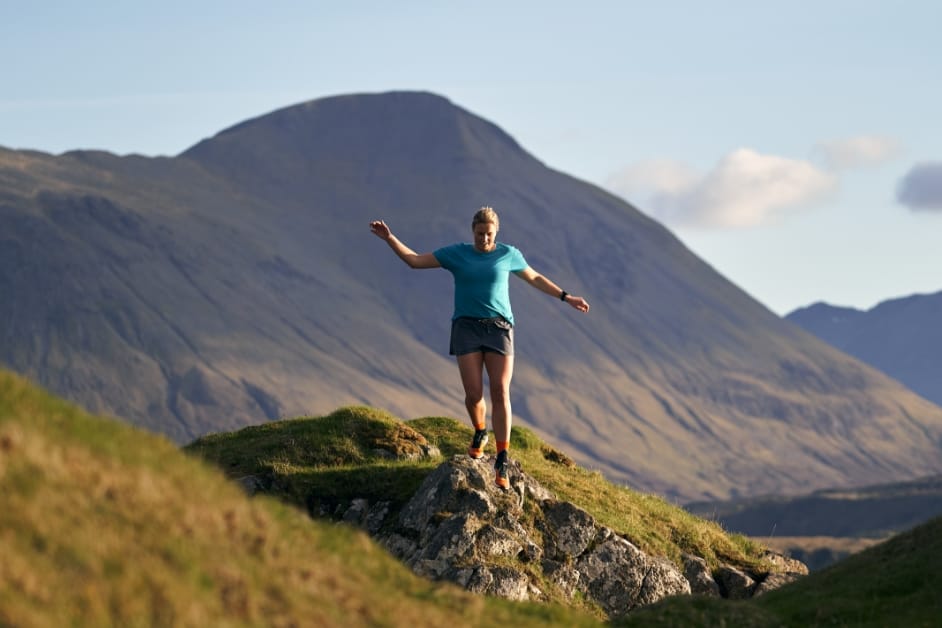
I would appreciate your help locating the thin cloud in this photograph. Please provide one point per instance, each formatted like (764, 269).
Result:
(744, 189)
(857, 152)
(921, 188)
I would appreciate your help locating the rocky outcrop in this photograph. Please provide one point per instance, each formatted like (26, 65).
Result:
(518, 544)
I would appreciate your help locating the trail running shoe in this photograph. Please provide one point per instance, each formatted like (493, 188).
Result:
(501, 471)
(476, 450)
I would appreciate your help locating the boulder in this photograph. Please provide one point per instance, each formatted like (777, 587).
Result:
(773, 581)
(697, 573)
(460, 527)
(735, 584)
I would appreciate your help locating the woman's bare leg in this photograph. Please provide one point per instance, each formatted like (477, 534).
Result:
(500, 370)
(470, 366)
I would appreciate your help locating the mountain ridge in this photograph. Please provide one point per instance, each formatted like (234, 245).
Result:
(898, 336)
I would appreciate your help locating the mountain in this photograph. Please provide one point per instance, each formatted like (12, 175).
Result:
(238, 282)
(901, 337)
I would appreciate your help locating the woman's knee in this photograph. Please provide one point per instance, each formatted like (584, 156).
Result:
(500, 394)
(471, 400)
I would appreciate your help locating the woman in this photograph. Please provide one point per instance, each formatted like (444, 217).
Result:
(482, 325)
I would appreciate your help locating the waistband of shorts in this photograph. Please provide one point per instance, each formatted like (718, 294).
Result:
(485, 321)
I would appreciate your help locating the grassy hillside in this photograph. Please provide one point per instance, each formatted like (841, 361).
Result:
(896, 583)
(322, 463)
(105, 525)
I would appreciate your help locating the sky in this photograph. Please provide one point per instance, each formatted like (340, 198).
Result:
(795, 146)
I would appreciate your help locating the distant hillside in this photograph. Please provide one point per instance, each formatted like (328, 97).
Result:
(870, 511)
(826, 525)
(238, 282)
(105, 525)
(901, 337)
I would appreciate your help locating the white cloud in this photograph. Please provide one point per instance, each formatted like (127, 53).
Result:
(921, 188)
(745, 188)
(857, 152)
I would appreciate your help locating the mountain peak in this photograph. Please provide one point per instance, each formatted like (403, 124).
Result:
(420, 128)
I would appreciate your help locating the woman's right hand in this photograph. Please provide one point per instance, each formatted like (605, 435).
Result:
(380, 229)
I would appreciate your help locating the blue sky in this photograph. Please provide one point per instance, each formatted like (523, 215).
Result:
(795, 146)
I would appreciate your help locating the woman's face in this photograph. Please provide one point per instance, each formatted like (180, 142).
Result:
(485, 236)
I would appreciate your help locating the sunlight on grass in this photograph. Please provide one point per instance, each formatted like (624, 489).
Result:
(346, 466)
(105, 525)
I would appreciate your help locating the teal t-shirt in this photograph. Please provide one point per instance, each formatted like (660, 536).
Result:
(482, 289)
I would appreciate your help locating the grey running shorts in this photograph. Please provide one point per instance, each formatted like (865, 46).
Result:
(469, 335)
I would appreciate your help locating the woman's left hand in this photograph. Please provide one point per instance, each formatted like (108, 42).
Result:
(577, 302)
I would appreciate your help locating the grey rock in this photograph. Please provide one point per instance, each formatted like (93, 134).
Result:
(612, 575)
(431, 451)
(400, 546)
(461, 528)
(571, 527)
(662, 580)
(356, 513)
(498, 581)
(430, 568)
(376, 516)
(452, 540)
(563, 576)
(458, 486)
(492, 541)
(734, 583)
(698, 575)
(786, 564)
(251, 485)
(774, 581)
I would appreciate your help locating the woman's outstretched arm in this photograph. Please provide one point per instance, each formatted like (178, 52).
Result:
(543, 284)
(415, 260)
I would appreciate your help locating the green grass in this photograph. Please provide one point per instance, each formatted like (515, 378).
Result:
(700, 612)
(325, 462)
(896, 583)
(105, 525)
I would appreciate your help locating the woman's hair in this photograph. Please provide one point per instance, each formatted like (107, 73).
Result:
(485, 214)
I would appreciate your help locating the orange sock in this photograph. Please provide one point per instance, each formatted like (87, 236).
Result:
(503, 445)
(483, 426)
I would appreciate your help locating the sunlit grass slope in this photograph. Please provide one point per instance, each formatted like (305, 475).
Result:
(105, 525)
(896, 583)
(322, 463)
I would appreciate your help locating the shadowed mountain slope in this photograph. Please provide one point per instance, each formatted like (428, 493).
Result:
(239, 281)
(867, 511)
(901, 337)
